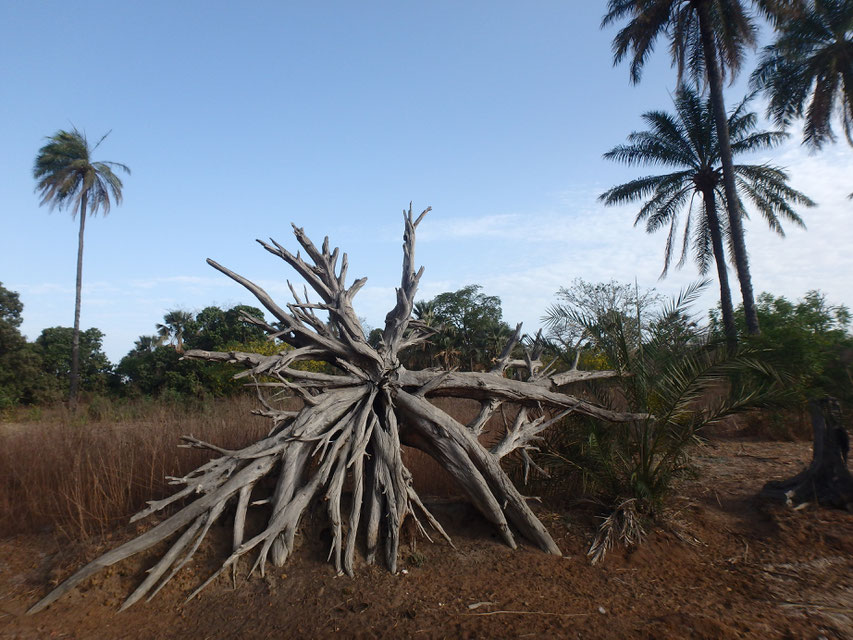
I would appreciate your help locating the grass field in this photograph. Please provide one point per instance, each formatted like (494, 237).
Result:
(86, 473)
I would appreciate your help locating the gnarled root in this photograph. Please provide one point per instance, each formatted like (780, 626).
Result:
(353, 419)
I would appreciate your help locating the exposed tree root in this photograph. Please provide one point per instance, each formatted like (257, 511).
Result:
(351, 427)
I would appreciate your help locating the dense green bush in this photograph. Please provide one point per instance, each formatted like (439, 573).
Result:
(54, 346)
(810, 340)
(152, 368)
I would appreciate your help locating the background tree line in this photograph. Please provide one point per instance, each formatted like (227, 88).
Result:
(39, 372)
(809, 339)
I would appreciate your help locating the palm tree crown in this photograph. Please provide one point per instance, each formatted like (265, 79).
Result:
(688, 143)
(808, 72)
(67, 176)
(733, 28)
(175, 325)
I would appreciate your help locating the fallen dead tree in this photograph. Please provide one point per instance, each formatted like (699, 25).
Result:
(351, 427)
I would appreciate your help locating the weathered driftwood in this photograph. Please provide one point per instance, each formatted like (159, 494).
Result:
(827, 480)
(352, 425)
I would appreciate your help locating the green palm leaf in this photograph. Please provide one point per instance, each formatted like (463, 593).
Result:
(808, 71)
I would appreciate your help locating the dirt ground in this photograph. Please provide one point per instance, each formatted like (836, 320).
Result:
(726, 564)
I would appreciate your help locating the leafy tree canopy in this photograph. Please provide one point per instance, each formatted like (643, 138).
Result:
(10, 319)
(153, 368)
(584, 304)
(467, 309)
(54, 345)
(218, 329)
(11, 307)
(810, 339)
(21, 376)
(471, 331)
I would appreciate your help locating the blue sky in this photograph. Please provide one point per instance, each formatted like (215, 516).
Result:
(239, 118)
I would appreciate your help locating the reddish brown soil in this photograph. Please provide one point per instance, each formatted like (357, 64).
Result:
(724, 564)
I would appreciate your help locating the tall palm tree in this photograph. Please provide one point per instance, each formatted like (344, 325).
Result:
(808, 71)
(688, 143)
(67, 177)
(176, 324)
(146, 344)
(708, 39)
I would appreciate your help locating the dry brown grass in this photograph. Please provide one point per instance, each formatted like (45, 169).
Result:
(87, 473)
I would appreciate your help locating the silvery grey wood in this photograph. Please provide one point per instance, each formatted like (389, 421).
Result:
(354, 420)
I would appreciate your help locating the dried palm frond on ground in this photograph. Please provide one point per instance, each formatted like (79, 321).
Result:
(623, 525)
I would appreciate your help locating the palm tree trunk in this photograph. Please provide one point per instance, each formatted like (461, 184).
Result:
(720, 259)
(715, 83)
(75, 335)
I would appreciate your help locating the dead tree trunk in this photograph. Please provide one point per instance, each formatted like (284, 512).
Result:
(827, 480)
(351, 427)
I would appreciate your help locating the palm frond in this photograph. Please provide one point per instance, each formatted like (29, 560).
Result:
(631, 191)
(802, 71)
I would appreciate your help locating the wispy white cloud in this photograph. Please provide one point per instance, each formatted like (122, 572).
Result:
(505, 225)
(40, 288)
(194, 281)
(822, 256)
(524, 257)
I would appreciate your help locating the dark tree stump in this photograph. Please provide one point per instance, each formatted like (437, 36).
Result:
(827, 480)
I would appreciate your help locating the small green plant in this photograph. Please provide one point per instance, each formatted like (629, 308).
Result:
(100, 409)
(416, 559)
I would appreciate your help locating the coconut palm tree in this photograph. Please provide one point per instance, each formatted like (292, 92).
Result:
(176, 324)
(424, 313)
(708, 39)
(67, 176)
(808, 72)
(688, 143)
(146, 344)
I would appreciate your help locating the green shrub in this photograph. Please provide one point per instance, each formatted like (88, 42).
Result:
(809, 340)
(676, 376)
